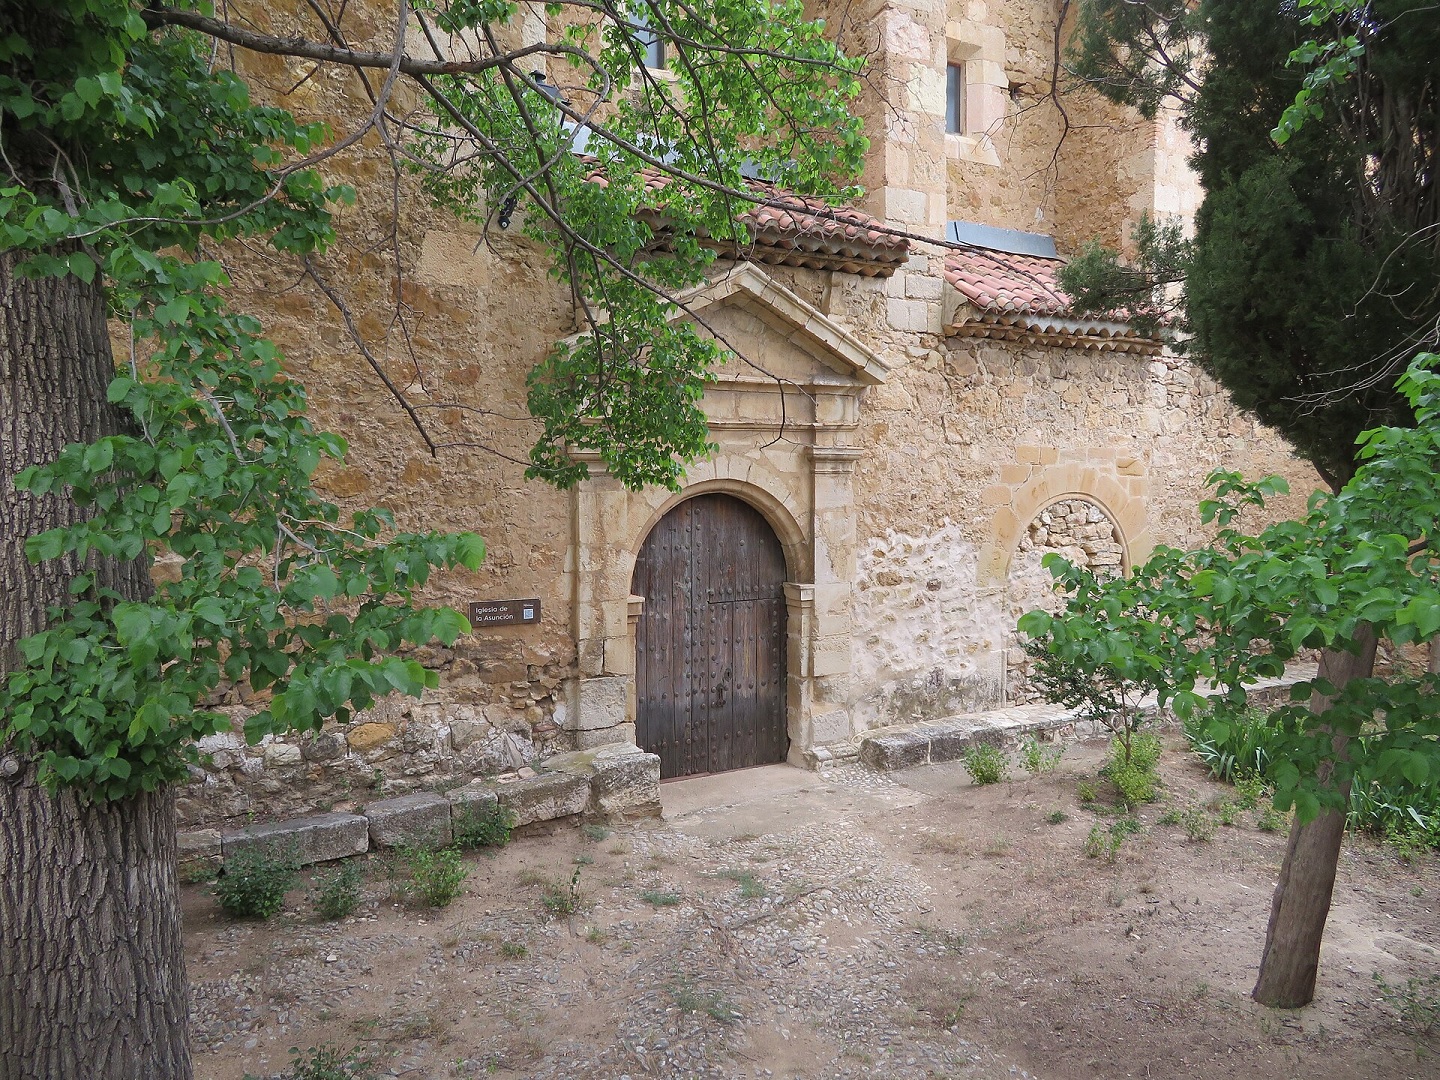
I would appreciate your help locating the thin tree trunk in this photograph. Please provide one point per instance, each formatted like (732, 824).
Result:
(92, 974)
(1301, 904)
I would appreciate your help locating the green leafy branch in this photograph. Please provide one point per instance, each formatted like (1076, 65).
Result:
(1360, 563)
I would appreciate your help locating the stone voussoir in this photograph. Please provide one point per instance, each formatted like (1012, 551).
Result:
(313, 838)
(421, 818)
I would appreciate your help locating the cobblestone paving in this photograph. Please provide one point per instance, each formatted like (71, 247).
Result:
(784, 954)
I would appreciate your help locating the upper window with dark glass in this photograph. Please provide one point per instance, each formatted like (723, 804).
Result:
(650, 42)
(955, 99)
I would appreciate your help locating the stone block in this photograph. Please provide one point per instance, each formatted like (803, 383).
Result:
(366, 737)
(621, 734)
(601, 703)
(949, 743)
(278, 755)
(545, 797)
(421, 818)
(315, 838)
(829, 727)
(624, 780)
(918, 287)
(901, 750)
(197, 848)
(472, 801)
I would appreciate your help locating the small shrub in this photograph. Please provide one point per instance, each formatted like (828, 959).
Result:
(329, 1063)
(1087, 791)
(1057, 817)
(560, 901)
(483, 825)
(337, 894)
(1125, 827)
(595, 833)
(985, 764)
(1417, 1002)
(1199, 826)
(1102, 844)
(197, 872)
(1270, 820)
(1409, 840)
(254, 881)
(1038, 758)
(436, 875)
(1134, 784)
(513, 950)
(660, 898)
(1145, 751)
(1228, 812)
(1132, 768)
(1173, 816)
(1250, 789)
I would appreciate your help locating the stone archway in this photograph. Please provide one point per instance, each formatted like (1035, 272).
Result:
(784, 448)
(1077, 527)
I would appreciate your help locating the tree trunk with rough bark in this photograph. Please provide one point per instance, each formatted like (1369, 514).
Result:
(1291, 960)
(92, 974)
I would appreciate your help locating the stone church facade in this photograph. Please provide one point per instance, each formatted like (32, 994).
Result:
(907, 430)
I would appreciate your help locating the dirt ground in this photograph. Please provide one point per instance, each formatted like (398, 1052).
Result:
(779, 923)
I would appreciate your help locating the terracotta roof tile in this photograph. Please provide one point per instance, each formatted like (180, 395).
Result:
(1018, 298)
(802, 230)
(999, 282)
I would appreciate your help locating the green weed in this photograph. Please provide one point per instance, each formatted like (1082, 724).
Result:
(480, 825)
(436, 875)
(255, 879)
(1038, 758)
(337, 893)
(986, 764)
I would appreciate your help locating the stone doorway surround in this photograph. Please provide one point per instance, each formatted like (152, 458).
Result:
(785, 420)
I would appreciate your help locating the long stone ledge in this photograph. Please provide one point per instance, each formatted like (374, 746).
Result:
(904, 746)
(612, 783)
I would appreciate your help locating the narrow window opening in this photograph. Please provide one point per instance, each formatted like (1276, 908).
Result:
(650, 42)
(955, 99)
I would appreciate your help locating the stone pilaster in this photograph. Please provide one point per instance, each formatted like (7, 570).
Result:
(602, 697)
(833, 525)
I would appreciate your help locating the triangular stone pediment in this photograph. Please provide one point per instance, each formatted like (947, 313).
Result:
(776, 334)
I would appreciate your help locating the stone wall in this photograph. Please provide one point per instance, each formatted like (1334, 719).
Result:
(902, 469)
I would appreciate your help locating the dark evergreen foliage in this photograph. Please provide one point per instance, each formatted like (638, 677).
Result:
(1313, 277)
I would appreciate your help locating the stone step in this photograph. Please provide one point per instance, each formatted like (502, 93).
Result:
(931, 742)
(614, 782)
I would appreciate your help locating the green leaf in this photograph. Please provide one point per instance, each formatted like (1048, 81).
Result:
(99, 456)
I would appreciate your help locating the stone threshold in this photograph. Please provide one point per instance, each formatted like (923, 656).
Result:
(904, 746)
(610, 783)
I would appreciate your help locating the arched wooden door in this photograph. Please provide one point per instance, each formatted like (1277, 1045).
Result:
(710, 644)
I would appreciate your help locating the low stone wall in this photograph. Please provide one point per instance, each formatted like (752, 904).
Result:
(396, 747)
(617, 782)
(903, 747)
